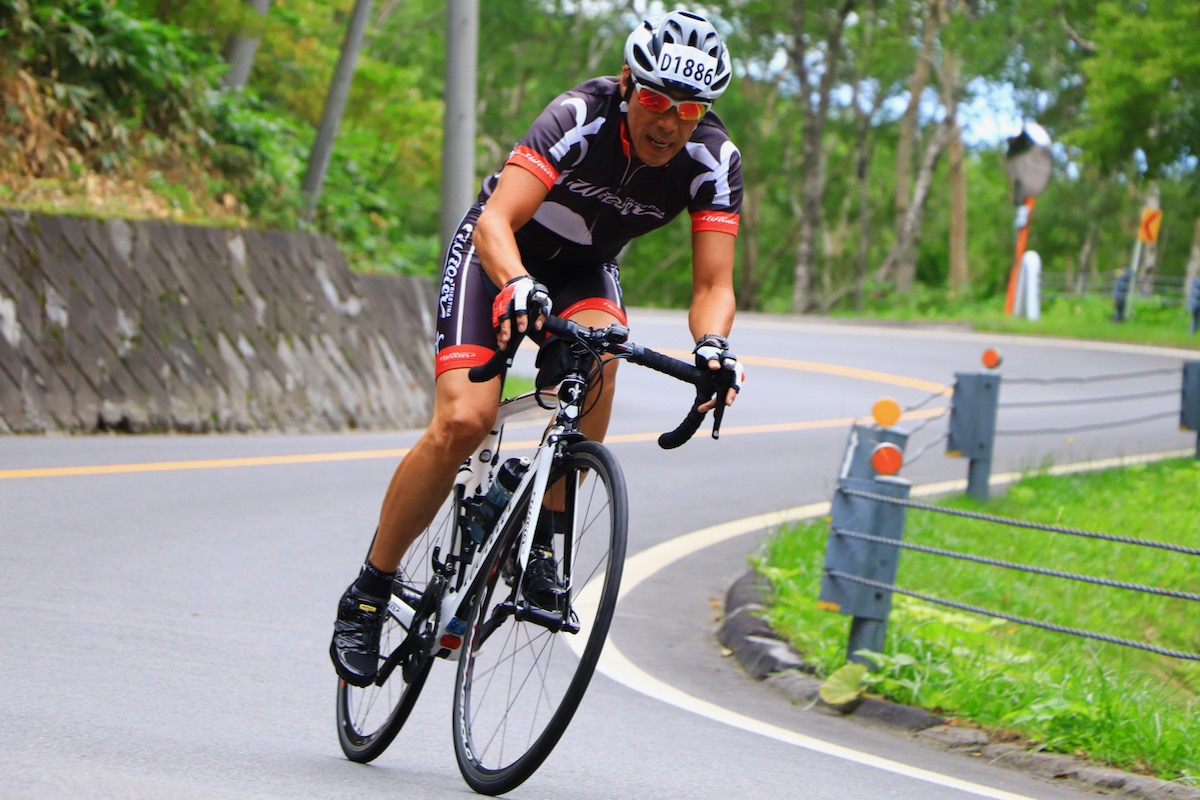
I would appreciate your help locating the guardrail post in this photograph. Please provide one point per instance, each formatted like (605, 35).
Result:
(861, 446)
(973, 426)
(868, 606)
(1193, 303)
(1189, 410)
(1121, 294)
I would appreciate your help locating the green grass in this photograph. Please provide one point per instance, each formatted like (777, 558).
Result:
(1152, 322)
(1111, 704)
(515, 385)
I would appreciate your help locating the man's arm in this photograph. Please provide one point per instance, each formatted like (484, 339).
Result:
(513, 203)
(713, 302)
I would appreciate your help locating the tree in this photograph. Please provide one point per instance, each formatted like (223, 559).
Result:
(904, 259)
(815, 49)
(335, 104)
(241, 45)
(1143, 95)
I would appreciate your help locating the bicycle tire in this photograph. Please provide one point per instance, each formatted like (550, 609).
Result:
(369, 718)
(518, 683)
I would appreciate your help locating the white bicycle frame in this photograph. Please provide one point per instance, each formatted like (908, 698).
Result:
(475, 478)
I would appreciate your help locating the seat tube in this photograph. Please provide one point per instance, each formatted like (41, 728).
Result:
(475, 473)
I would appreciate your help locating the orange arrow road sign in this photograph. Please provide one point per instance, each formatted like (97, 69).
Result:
(1151, 222)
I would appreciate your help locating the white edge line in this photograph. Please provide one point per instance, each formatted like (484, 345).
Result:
(652, 560)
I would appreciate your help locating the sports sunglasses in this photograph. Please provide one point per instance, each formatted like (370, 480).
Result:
(656, 101)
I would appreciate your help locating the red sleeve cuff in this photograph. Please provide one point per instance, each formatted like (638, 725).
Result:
(715, 221)
(535, 162)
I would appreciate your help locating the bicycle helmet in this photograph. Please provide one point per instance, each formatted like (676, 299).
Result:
(680, 51)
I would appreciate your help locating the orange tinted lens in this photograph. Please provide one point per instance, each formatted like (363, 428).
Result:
(653, 100)
(690, 112)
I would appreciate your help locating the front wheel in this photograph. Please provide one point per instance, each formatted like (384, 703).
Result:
(522, 675)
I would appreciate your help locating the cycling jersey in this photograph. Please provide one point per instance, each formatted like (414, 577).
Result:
(598, 201)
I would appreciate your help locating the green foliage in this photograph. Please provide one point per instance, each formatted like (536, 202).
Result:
(1122, 706)
(112, 86)
(131, 86)
(845, 686)
(1143, 86)
(259, 155)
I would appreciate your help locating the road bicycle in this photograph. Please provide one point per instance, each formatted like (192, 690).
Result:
(462, 593)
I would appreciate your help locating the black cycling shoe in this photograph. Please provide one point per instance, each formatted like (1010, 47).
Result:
(541, 586)
(355, 645)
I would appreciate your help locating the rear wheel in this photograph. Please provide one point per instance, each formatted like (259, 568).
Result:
(369, 718)
(524, 670)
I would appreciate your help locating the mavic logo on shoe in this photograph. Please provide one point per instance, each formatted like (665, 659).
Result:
(365, 607)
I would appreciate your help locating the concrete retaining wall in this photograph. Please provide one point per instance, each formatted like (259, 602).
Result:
(155, 326)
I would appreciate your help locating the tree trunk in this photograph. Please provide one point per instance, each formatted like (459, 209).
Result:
(1148, 270)
(864, 149)
(951, 80)
(748, 280)
(1193, 264)
(910, 228)
(812, 135)
(384, 13)
(241, 46)
(958, 215)
(335, 104)
(905, 147)
(1087, 259)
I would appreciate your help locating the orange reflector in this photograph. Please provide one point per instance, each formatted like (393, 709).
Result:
(886, 412)
(992, 358)
(887, 459)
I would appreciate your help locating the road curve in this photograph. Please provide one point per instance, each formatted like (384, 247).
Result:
(165, 601)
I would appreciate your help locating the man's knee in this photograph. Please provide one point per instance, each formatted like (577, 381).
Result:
(462, 417)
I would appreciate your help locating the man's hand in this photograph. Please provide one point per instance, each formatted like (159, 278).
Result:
(712, 351)
(517, 298)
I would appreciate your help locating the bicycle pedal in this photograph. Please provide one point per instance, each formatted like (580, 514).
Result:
(553, 621)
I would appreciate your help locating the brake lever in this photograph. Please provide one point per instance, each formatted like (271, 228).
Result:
(718, 415)
(722, 383)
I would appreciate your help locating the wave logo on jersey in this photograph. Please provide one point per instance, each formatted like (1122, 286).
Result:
(626, 205)
(459, 247)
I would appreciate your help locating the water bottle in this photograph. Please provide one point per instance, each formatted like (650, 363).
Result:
(508, 478)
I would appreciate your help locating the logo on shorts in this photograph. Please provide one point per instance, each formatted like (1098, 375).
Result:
(454, 262)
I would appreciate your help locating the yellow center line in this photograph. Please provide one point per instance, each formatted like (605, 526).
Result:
(850, 372)
(362, 455)
(834, 369)
(214, 463)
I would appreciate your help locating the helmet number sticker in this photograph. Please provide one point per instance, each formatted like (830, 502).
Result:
(687, 65)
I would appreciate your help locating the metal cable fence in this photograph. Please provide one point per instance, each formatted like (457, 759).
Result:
(1102, 637)
(1076, 402)
(870, 505)
(976, 405)
(1170, 290)
(867, 534)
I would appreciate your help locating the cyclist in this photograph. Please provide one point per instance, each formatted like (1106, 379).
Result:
(610, 160)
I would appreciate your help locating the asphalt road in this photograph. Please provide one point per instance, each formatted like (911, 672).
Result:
(166, 601)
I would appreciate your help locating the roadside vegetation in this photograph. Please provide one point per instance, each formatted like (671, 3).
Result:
(855, 195)
(1152, 320)
(1107, 703)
